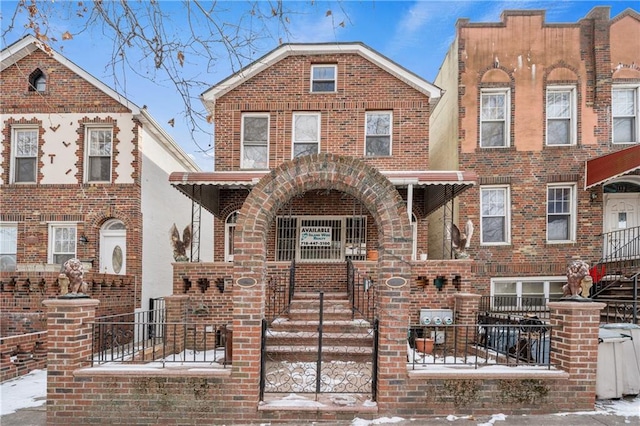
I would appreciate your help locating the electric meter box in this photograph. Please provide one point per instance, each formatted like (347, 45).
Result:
(436, 316)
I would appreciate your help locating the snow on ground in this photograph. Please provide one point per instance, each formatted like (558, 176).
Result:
(27, 391)
(31, 391)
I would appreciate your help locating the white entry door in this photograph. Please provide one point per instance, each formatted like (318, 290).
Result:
(621, 220)
(113, 248)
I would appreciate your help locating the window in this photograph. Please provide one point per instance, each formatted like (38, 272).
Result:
(561, 123)
(494, 119)
(495, 209)
(306, 134)
(323, 78)
(525, 292)
(229, 234)
(624, 105)
(62, 242)
(99, 154)
(25, 159)
(8, 246)
(37, 81)
(560, 213)
(255, 141)
(378, 134)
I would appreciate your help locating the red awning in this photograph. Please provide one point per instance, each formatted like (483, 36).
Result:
(601, 169)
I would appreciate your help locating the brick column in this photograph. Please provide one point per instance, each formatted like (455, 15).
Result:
(70, 336)
(466, 313)
(176, 307)
(574, 349)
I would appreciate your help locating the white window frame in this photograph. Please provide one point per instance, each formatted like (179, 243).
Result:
(573, 114)
(507, 214)
(335, 78)
(294, 136)
(390, 135)
(228, 226)
(243, 164)
(53, 226)
(15, 131)
(545, 280)
(635, 115)
(506, 92)
(89, 129)
(572, 212)
(8, 247)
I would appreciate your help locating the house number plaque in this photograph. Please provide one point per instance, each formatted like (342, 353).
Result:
(396, 282)
(246, 282)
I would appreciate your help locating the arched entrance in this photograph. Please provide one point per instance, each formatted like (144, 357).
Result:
(381, 199)
(621, 221)
(113, 247)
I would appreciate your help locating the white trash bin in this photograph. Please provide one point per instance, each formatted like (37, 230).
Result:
(630, 356)
(609, 373)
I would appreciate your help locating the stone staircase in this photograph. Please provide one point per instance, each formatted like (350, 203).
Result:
(295, 338)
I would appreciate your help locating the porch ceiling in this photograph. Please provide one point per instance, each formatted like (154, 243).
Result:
(606, 167)
(204, 187)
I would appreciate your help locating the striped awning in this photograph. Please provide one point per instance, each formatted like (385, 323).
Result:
(604, 168)
(204, 187)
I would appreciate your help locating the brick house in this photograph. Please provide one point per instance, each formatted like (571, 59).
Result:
(83, 174)
(547, 115)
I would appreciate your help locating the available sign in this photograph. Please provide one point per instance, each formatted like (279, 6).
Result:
(315, 236)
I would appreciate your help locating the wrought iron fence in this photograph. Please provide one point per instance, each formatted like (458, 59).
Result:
(523, 343)
(362, 293)
(513, 306)
(280, 292)
(618, 311)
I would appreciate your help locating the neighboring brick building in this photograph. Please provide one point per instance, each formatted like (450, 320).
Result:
(83, 173)
(534, 103)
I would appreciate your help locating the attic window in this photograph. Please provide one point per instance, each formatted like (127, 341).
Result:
(37, 81)
(323, 78)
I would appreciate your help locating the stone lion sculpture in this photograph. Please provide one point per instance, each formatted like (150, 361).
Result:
(576, 272)
(74, 270)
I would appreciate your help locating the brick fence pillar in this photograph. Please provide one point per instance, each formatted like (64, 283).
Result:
(466, 313)
(70, 336)
(574, 349)
(176, 308)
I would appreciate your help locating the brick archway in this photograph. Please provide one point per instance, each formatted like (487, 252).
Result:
(381, 199)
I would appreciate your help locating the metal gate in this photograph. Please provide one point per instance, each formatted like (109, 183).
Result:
(327, 359)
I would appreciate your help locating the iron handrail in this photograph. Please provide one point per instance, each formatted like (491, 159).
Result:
(618, 261)
(361, 291)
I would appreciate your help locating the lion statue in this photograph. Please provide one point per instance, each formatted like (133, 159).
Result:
(576, 272)
(74, 270)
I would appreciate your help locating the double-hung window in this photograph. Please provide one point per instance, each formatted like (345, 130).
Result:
(255, 141)
(494, 118)
(378, 133)
(561, 213)
(561, 116)
(62, 242)
(495, 210)
(8, 246)
(323, 78)
(25, 158)
(99, 151)
(624, 106)
(306, 134)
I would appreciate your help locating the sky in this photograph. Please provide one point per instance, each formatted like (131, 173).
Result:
(414, 34)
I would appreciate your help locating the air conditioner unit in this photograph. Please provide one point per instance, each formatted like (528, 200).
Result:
(436, 316)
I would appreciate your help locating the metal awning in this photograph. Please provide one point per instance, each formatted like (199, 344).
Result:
(604, 168)
(204, 187)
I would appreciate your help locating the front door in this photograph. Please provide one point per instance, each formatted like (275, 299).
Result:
(621, 221)
(113, 248)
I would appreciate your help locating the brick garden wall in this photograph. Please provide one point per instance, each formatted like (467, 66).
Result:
(21, 354)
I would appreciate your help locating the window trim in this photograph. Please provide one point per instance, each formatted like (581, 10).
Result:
(15, 128)
(293, 130)
(506, 91)
(51, 239)
(573, 114)
(88, 128)
(335, 78)
(366, 115)
(228, 256)
(572, 213)
(242, 119)
(507, 215)
(636, 89)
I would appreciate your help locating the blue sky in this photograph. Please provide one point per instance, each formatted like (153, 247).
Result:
(415, 34)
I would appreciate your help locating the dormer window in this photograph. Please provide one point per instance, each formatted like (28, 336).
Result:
(37, 81)
(323, 78)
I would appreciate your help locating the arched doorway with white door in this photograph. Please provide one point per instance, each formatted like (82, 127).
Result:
(621, 221)
(113, 247)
